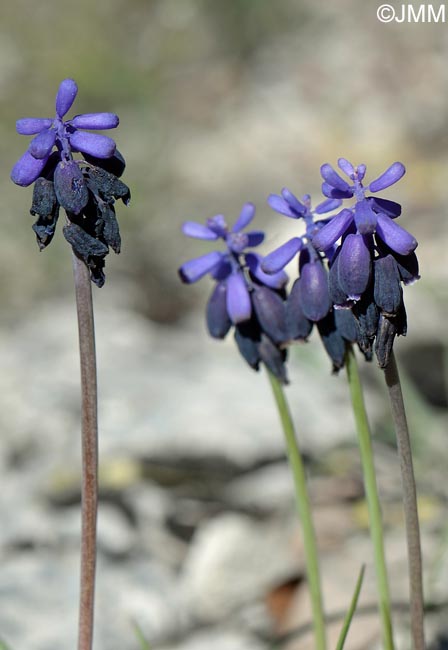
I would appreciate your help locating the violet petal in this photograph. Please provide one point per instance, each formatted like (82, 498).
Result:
(97, 121)
(195, 269)
(299, 326)
(246, 215)
(333, 193)
(361, 172)
(279, 204)
(32, 125)
(327, 206)
(354, 266)
(396, 237)
(41, 146)
(198, 231)
(271, 314)
(293, 202)
(27, 169)
(313, 291)
(274, 280)
(255, 238)
(66, 96)
(92, 143)
(365, 217)
(389, 208)
(346, 167)
(333, 230)
(389, 177)
(281, 256)
(332, 178)
(238, 300)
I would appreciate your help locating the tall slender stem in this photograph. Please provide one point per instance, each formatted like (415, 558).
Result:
(89, 427)
(304, 508)
(373, 502)
(409, 503)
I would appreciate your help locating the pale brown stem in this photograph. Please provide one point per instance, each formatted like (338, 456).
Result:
(89, 428)
(409, 504)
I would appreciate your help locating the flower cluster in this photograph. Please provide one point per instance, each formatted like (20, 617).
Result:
(375, 256)
(85, 188)
(244, 296)
(351, 290)
(309, 301)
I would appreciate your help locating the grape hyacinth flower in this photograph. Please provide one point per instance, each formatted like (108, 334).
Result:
(244, 295)
(86, 188)
(309, 300)
(376, 255)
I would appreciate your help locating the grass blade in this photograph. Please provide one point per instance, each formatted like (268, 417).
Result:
(351, 611)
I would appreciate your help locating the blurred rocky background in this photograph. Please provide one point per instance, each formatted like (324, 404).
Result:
(220, 103)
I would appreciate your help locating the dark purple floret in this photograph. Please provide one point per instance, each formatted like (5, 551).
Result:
(218, 321)
(299, 326)
(244, 296)
(354, 266)
(313, 293)
(309, 301)
(86, 188)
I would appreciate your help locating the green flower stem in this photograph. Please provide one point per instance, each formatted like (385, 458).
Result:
(89, 434)
(304, 508)
(373, 503)
(409, 503)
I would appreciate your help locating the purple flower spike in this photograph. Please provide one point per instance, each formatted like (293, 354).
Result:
(95, 121)
(195, 269)
(313, 292)
(396, 237)
(27, 169)
(354, 266)
(87, 186)
(389, 177)
(239, 306)
(333, 230)
(198, 231)
(93, 144)
(32, 125)
(246, 215)
(43, 143)
(279, 258)
(66, 96)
